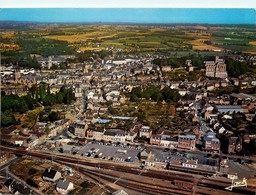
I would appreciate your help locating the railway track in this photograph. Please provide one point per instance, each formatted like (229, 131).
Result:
(97, 181)
(135, 185)
(164, 175)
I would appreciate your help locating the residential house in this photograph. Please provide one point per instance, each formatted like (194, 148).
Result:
(155, 139)
(120, 136)
(7, 184)
(16, 188)
(120, 192)
(145, 131)
(131, 136)
(51, 175)
(64, 186)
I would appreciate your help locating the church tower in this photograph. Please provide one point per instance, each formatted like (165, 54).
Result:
(216, 68)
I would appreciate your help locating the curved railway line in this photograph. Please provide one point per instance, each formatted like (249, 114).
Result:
(138, 186)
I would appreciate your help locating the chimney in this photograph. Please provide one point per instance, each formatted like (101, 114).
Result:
(49, 170)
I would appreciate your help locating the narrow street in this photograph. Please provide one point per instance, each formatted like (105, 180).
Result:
(205, 128)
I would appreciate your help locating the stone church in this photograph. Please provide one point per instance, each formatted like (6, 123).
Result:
(216, 68)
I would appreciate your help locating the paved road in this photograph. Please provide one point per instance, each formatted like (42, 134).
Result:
(12, 176)
(4, 170)
(205, 128)
(8, 163)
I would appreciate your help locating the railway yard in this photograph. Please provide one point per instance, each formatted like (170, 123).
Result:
(131, 177)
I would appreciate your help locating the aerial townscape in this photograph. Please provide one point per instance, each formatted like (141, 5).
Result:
(127, 108)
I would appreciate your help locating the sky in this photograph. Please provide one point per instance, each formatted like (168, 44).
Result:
(128, 3)
(131, 15)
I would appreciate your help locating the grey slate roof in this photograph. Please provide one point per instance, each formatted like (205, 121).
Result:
(63, 184)
(49, 173)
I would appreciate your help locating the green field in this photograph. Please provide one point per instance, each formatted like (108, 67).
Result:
(61, 39)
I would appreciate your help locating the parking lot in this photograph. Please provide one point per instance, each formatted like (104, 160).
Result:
(107, 151)
(124, 152)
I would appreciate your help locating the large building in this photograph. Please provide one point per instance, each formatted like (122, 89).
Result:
(145, 131)
(95, 133)
(51, 60)
(113, 135)
(80, 129)
(229, 108)
(216, 68)
(211, 143)
(187, 142)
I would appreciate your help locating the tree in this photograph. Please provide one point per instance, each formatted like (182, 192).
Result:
(34, 63)
(32, 171)
(53, 116)
(170, 94)
(7, 118)
(236, 68)
(31, 183)
(155, 93)
(60, 97)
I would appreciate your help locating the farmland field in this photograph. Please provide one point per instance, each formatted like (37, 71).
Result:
(63, 39)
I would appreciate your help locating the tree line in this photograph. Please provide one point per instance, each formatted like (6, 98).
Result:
(236, 68)
(38, 94)
(155, 93)
(197, 61)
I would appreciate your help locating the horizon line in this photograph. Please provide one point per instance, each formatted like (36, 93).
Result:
(101, 22)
